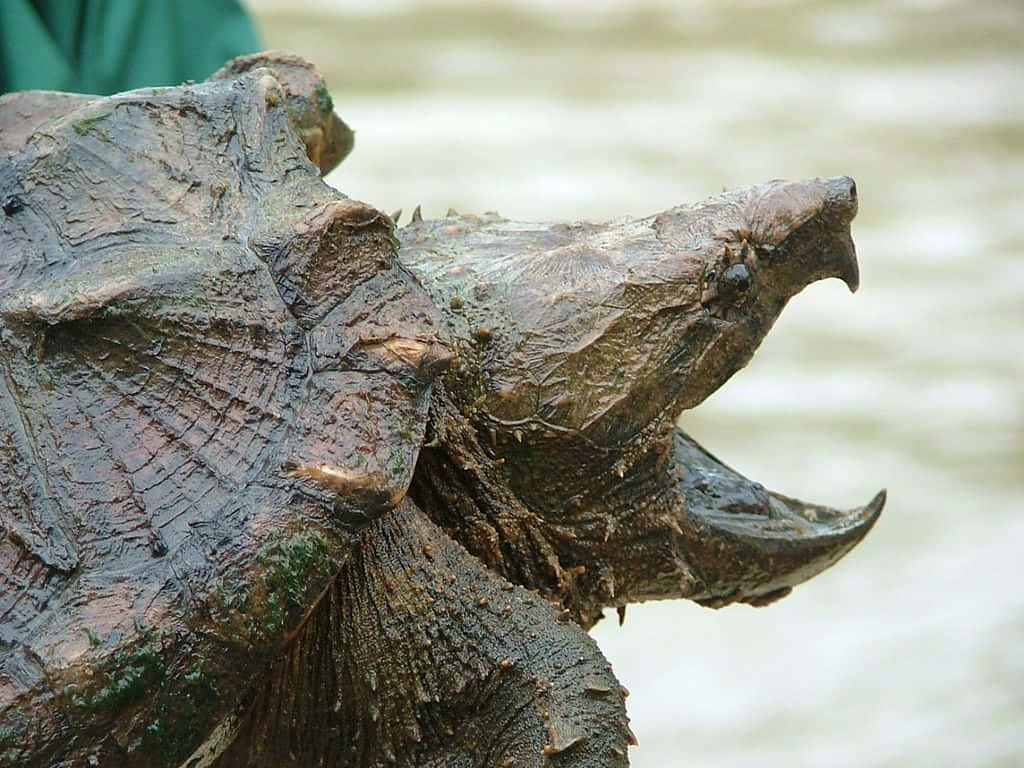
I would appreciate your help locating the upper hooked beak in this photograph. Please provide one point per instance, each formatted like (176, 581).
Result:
(841, 255)
(843, 204)
(804, 227)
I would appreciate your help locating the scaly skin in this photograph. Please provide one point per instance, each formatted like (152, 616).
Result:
(220, 542)
(422, 656)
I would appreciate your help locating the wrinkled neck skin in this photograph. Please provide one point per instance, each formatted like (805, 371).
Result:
(553, 442)
(419, 655)
(609, 540)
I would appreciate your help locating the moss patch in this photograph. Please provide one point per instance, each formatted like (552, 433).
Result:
(11, 748)
(292, 565)
(121, 679)
(323, 99)
(183, 715)
(181, 699)
(87, 124)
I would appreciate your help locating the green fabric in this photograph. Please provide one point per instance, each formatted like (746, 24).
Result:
(106, 46)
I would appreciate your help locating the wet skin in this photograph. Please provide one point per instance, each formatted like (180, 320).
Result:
(598, 337)
(283, 485)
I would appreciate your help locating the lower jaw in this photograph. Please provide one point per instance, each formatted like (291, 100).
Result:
(752, 545)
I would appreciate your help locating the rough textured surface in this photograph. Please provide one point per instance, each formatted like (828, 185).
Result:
(422, 656)
(198, 408)
(326, 137)
(220, 540)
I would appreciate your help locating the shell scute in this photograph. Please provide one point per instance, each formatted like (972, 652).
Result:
(172, 263)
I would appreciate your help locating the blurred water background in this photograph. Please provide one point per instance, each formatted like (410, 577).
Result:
(911, 651)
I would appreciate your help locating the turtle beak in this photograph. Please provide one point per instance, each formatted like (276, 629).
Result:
(744, 543)
(762, 544)
(804, 229)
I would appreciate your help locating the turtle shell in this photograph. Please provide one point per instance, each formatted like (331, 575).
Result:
(213, 372)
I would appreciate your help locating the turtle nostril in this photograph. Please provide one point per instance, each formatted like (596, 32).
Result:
(853, 190)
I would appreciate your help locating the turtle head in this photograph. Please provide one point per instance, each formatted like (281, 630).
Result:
(719, 275)
(579, 347)
(593, 338)
(695, 300)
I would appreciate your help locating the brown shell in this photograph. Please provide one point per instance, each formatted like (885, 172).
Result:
(213, 372)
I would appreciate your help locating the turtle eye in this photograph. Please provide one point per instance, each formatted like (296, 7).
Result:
(710, 276)
(737, 277)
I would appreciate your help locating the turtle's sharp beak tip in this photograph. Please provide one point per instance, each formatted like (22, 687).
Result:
(863, 519)
(849, 272)
(874, 507)
(860, 520)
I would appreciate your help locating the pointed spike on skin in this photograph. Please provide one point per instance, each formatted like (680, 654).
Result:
(396, 216)
(417, 215)
(563, 736)
(621, 610)
(451, 212)
(609, 583)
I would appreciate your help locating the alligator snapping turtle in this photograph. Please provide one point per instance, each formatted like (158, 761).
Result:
(280, 485)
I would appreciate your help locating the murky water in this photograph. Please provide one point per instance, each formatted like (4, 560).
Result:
(911, 651)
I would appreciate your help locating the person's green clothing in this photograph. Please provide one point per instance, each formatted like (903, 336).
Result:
(106, 46)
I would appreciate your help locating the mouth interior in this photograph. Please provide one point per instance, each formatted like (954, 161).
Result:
(768, 542)
(721, 494)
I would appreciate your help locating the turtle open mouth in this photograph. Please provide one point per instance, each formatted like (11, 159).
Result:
(765, 543)
(261, 451)
(598, 335)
